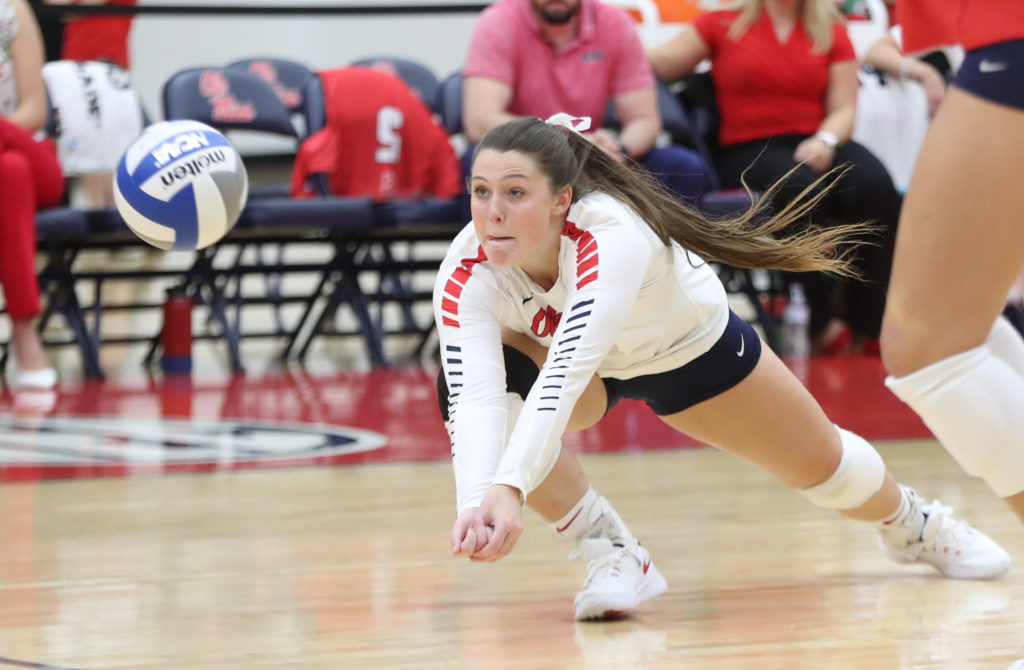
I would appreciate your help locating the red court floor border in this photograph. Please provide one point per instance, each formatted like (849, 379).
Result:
(400, 403)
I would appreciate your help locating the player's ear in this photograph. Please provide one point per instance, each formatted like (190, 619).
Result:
(563, 199)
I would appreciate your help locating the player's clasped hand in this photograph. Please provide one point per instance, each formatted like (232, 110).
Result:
(489, 533)
(468, 533)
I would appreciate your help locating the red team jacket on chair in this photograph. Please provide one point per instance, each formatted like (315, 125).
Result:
(380, 141)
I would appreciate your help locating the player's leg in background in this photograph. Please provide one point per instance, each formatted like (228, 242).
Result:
(960, 247)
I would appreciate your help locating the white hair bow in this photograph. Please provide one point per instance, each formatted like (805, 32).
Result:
(577, 124)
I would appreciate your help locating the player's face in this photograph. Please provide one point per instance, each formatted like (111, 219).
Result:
(518, 219)
(556, 12)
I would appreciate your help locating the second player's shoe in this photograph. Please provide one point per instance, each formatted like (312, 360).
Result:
(952, 547)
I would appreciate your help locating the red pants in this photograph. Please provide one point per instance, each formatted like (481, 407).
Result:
(30, 177)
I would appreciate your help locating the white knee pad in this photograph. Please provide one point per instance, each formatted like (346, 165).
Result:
(1006, 344)
(857, 479)
(974, 404)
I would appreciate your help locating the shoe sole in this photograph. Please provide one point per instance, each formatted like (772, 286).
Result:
(982, 572)
(652, 586)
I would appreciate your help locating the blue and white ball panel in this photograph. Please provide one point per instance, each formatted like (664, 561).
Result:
(150, 231)
(181, 185)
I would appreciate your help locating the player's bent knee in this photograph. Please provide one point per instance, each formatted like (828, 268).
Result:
(970, 401)
(858, 478)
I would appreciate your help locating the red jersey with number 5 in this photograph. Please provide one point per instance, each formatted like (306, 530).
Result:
(380, 140)
(969, 23)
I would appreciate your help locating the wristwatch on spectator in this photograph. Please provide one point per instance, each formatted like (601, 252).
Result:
(831, 139)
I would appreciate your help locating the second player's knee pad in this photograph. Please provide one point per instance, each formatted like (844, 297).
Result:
(858, 478)
(971, 402)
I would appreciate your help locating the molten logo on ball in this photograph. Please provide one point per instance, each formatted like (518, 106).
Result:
(180, 185)
(193, 168)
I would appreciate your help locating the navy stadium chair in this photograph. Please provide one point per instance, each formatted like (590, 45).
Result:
(448, 102)
(297, 87)
(183, 98)
(418, 76)
(226, 100)
(233, 99)
(57, 231)
(392, 265)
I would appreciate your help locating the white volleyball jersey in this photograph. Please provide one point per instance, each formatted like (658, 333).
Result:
(624, 305)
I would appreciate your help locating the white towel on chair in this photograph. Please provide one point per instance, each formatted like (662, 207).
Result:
(99, 114)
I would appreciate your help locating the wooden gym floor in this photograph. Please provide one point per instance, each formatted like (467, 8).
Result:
(300, 520)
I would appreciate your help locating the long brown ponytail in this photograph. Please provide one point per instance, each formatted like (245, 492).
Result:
(749, 240)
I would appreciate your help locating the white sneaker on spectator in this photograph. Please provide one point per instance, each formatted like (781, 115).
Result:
(952, 547)
(42, 379)
(619, 577)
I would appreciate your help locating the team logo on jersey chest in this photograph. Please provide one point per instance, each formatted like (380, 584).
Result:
(545, 321)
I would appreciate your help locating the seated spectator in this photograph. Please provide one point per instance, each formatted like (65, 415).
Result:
(30, 177)
(786, 84)
(541, 57)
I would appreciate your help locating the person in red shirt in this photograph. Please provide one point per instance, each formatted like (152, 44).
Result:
(785, 77)
(102, 37)
(949, 353)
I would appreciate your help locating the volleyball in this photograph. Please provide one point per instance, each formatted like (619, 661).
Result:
(180, 185)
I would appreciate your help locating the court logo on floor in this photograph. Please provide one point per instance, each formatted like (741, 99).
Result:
(83, 446)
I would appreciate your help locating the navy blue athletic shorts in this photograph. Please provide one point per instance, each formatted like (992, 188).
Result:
(995, 73)
(720, 368)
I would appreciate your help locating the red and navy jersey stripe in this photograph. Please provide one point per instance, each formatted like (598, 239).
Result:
(586, 253)
(454, 287)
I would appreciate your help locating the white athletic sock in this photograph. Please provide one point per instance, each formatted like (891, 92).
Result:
(906, 524)
(973, 403)
(592, 517)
